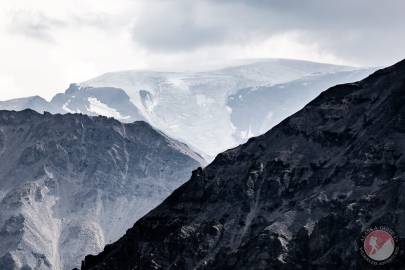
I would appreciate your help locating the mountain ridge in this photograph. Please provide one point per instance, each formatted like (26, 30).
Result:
(72, 183)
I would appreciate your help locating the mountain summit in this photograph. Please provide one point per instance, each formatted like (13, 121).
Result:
(297, 197)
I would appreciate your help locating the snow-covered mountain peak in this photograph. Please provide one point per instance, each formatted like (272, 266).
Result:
(211, 110)
(193, 106)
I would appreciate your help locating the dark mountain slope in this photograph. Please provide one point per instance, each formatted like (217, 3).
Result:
(297, 197)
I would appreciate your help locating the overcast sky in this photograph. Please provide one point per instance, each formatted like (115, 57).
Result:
(46, 44)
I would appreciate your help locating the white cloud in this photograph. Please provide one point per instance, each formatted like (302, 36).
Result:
(49, 44)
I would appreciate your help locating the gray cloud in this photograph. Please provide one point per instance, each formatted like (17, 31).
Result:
(176, 34)
(40, 26)
(34, 25)
(176, 26)
(366, 31)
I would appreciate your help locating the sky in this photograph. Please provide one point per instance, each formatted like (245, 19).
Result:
(47, 44)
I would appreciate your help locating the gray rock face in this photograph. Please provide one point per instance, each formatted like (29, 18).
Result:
(297, 197)
(69, 184)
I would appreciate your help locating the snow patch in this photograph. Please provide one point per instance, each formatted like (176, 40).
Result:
(309, 226)
(67, 109)
(99, 108)
(246, 134)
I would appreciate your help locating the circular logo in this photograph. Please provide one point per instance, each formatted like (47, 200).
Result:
(379, 245)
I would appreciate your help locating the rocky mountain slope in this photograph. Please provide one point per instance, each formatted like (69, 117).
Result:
(69, 184)
(196, 107)
(297, 197)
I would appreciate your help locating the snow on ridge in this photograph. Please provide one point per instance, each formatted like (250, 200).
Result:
(66, 108)
(100, 108)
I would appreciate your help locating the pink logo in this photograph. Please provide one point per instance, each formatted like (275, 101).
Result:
(379, 245)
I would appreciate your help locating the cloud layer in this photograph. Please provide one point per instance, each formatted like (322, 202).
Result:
(363, 31)
(45, 44)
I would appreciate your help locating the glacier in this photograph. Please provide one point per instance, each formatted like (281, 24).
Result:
(212, 110)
